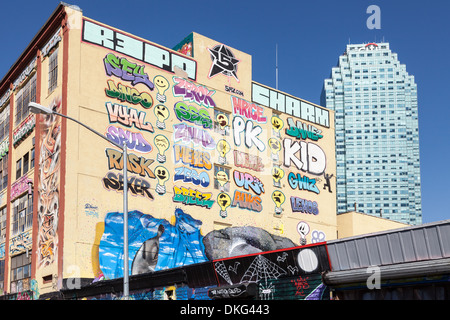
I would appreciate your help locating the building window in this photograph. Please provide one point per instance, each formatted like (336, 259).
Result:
(23, 165)
(32, 158)
(53, 71)
(18, 168)
(2, 273)
(221, 178)
(4, 172)
(26, 160)
(222, 122)
(22, 213)
(29, 217)
(20, 272)
(4, 123)
(3, 224)
(26, 95)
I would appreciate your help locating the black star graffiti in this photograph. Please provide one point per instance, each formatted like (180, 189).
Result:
(223, 62)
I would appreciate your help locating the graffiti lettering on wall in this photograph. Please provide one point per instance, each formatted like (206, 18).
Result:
(248, 161)
(302, 183)
(20, 186)
(25, 73)
(193, 92)
(234, 91)
(317, 236)
(5, 97)
(141, 50)
(126, 70)
(134, 140)
(245, 200)
(128, 116)
(311, 158)
(252, 112)
(4, 148)
(137, 186)
(302, 130)
(91, 210)
(24, 129)
(20, 243)
(186, 175)
(300, 284)
(48, 186)
(192, 157)
(192, 197)
(191, 114)
(128, 94)
(284, 103)
(135, 164)
(248, 181)
(304, 206)
(250, 132)
(249, 110)
(187, 134)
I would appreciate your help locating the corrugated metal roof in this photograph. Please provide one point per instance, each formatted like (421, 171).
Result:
(417, 243)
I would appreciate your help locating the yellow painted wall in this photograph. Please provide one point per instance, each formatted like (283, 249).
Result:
(356, 223)
(91, 161)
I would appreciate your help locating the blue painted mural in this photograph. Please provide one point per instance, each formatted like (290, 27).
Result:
(154, 244)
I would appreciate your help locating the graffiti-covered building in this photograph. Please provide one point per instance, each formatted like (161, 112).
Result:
(219, 165)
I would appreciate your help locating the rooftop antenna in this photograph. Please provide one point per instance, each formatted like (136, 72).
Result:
(276, 66)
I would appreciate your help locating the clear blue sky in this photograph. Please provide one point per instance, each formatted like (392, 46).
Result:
(310, 36)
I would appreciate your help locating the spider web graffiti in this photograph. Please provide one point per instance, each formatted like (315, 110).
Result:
(222, 270)
(262, 268)
(266, 291)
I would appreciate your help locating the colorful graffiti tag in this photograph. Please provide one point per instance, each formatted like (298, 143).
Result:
(194, 197)
(48, 188)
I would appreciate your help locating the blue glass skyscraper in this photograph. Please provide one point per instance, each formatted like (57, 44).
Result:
(377, 133)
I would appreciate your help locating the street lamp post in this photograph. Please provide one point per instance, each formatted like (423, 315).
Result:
(39, 109)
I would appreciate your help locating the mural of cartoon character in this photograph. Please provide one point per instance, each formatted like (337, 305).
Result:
(162, 114)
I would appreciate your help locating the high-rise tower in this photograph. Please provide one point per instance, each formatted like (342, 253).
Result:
(377, 134)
